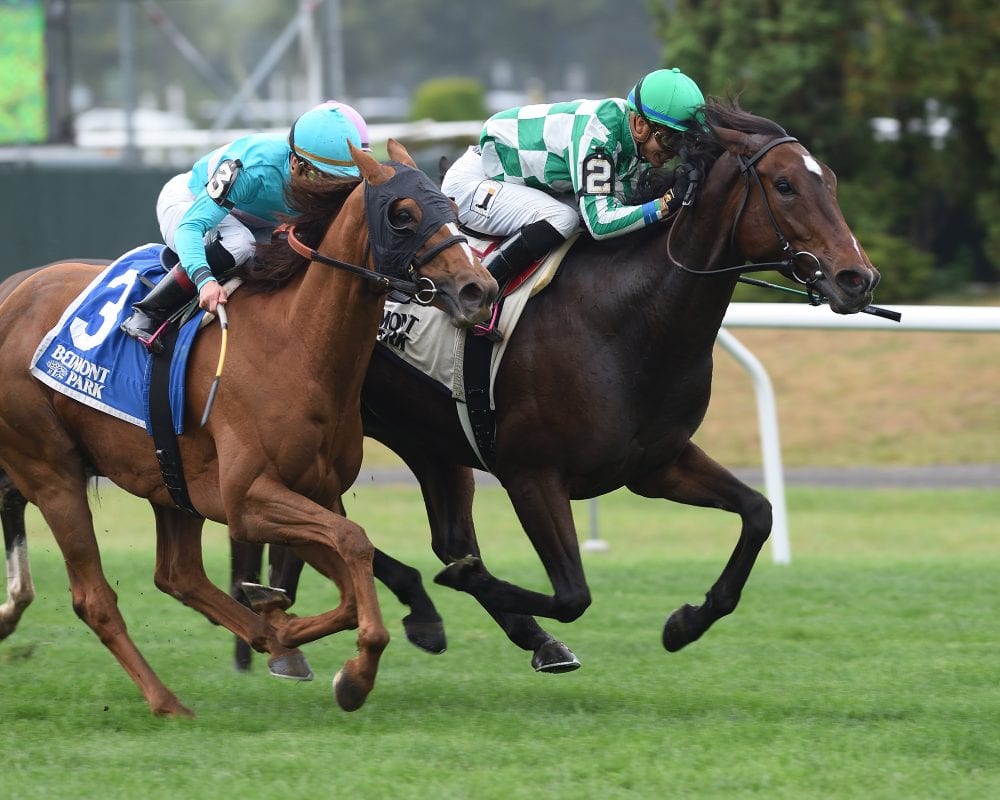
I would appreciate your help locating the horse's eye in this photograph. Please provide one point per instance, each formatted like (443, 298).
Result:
(402, 220)
(783, 186)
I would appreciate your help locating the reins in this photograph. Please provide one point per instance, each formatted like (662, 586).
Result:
(788, 264)
(746, 170)
(423, 291)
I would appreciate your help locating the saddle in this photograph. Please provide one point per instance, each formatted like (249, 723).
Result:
(87, 357)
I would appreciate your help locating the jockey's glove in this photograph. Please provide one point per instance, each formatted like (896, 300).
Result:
(674, 196)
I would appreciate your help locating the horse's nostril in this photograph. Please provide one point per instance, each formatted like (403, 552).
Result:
(472, 294)
(853, 281)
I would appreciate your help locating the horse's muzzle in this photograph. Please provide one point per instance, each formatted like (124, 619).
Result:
(852, 289)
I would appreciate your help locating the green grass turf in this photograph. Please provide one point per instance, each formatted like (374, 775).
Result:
(865, 669)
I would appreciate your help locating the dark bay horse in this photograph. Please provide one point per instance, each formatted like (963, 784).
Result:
(283, 441)
(608, 376)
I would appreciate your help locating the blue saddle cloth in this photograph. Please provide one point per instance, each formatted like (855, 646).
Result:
(87, 357)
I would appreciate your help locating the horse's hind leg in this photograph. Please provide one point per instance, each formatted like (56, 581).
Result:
(20, 589)
(695, 479)
(62, 499)
(180, 572)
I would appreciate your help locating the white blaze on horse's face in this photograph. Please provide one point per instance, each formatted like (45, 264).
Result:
(857, 248)
(454, 231)
(812, 164)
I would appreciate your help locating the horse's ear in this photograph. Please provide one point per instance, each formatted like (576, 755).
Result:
(444, 164)
(371, 170)
(734, 141)
(398, 153)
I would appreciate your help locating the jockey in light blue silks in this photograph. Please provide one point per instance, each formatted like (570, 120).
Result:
(213, 215)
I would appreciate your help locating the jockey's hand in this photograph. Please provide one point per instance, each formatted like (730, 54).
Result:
(212, 295)
(674, 196)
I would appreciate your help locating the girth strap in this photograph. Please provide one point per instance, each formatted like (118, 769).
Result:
(161, 424)
(476, 377)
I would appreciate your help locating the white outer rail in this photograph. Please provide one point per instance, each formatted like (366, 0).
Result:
(780, 315)
(915, 318)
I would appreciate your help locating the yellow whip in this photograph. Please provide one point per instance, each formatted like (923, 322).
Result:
(224, 322)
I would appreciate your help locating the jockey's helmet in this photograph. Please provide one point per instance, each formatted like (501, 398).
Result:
(667, 97)
(352, 114)
(320, 136)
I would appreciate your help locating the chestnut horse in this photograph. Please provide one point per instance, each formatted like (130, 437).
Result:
(608, 375)
(284, 438)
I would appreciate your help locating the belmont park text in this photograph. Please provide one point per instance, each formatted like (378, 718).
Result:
(85, 376)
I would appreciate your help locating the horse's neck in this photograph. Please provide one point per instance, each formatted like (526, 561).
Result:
(701, 241)
(336, 313)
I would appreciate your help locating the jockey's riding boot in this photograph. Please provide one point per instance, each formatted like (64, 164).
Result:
(151, 313)
(521, 250)
(510, 259)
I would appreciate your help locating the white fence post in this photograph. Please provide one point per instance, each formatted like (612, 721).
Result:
(967, 319)
(767, 418)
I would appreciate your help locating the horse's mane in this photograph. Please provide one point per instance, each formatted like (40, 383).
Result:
(702, 147)
(315, 201)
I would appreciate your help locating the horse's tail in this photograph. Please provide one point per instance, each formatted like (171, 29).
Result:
(20, 589)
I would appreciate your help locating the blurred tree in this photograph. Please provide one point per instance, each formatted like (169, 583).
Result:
(827, 71)
(449, 100)
(933, 65)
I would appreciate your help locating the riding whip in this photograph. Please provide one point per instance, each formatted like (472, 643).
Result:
(224, 322)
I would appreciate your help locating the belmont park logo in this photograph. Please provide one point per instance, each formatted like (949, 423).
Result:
(397, 328)
(76, 372)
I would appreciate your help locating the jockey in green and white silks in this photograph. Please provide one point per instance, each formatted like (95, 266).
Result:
(543, 170)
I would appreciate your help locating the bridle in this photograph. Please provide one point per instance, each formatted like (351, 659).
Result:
(423, 291)
(788, 265)
(391, 248)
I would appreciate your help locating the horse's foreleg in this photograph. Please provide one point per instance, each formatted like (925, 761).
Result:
(423, 626)
(244, 567)
(542, 506)
(337, 548)
(284, 569)
(448, 490)
(695, 479)
(180, 572)
(20, 588)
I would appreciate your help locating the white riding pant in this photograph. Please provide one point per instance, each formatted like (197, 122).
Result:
(499, 208)
(237, 238)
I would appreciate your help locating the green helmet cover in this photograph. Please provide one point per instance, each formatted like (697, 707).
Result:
(667, 97)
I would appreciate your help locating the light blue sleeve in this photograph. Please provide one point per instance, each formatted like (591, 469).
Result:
(203, 215)
(189, 239)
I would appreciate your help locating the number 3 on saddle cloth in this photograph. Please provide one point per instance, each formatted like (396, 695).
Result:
(87, 357)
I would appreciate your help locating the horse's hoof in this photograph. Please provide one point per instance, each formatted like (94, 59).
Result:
(456, 574)
(677, 631)
(169, 706)
(428, 636)
(291, 666)
(266, 598)
(554, 656)
(349, 696)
